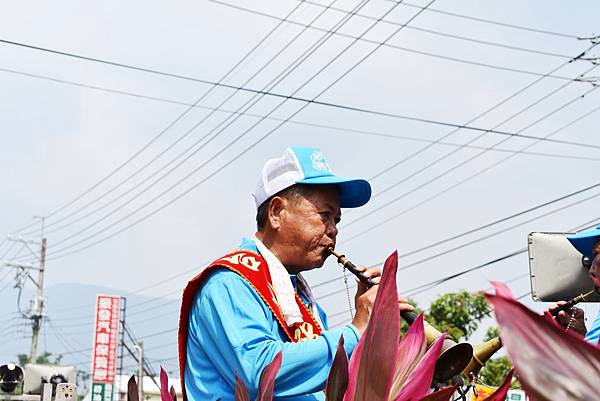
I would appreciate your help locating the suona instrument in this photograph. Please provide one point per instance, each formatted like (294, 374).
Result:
(454, 357)
(571, 302)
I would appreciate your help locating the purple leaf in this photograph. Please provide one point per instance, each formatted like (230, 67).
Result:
(337, 381)
(419, 381)
(411, 350)
(164, 386)
(500, 393)
(173, 393)
(266, 384)
(552, 365)
(378, 357)
(442, 395)
(241, 391)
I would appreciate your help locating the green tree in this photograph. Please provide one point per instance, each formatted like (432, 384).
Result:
(43, 359)
(458, 313)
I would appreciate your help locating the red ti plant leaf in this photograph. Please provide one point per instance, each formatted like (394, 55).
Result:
(419, 381)
(442, 395)
(411, 350)
(500, 393)
(353, 370)
(337, 381)
(164, 386)
(173, 393)
(552, 365)
(241, 391)
(502, 289)
(266, 383)
(377, 359)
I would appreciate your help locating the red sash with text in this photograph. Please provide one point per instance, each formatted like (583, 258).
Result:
(253, 268)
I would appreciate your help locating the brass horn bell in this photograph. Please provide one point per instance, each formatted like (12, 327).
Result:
(454, 357)
(481, 354)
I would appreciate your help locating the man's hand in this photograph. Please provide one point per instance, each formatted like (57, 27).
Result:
(365, 299)
(573, 318)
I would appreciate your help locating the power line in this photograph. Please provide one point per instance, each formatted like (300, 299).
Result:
(513, 116)
(179, 117)
(297, 122)
(397, 47)
(489, 21)
(264, 136)
(489, 110)
(210, 176)
(295, 98)
(449, 35)
(425, 287)
(288, 70)
(469, 243)
(276, 119)
(468, 178)
(498, 221)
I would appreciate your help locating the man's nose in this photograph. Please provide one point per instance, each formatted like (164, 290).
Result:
(332, 230)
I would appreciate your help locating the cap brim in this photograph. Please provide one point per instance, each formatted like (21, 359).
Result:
(354, 192)
(584, 241)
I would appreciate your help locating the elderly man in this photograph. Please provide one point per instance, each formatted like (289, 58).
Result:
(588, 244)
(245, 307)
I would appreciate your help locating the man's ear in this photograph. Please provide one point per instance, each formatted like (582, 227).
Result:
(276, 209)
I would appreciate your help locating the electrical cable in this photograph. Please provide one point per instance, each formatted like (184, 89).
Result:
(179, 117)
(425, 287)
(299, 99)
(397, 47)
(429, 258)
(302, 123)
(462, 181)
(288, 70)
(561, 141)
(264, 136)
(489, 21)
(449, 35)
(173, 200)
(510, 118)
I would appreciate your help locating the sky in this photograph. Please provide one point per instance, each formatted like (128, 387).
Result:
(138, 130)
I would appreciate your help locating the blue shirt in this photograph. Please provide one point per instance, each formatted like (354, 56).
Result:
(231, 330)
(593, 335)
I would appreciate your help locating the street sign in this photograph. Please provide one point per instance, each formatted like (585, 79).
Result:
(106, 340)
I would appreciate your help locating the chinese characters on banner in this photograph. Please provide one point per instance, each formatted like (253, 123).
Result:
(106, 339)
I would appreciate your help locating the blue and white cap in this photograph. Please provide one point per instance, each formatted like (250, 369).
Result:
(584, 241)
(300, 165)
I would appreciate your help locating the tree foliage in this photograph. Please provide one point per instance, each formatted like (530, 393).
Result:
(458, 313)
(43, 359)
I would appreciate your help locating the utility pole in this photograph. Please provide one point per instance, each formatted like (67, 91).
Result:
(38, 305)
(140, 347)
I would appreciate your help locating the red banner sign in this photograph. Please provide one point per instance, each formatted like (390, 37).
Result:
(106, 339)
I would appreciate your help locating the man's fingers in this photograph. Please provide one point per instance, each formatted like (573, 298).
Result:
(405, 307)
(372, 272)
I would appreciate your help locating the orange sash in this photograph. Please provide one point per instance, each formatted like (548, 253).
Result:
(253, 268)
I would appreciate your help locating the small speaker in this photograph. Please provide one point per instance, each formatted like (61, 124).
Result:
(11, 376)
